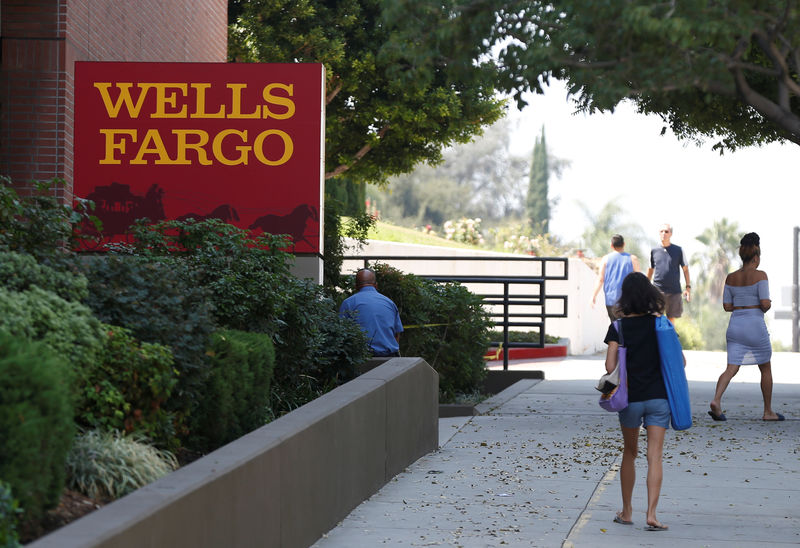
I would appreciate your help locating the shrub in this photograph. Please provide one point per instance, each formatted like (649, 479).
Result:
(19, 272)
(39, 224)
(236, 397)
(128, 386)
(243, 275)
(523, 336)
(158, 304)
(689, 334)
(9, 513)
(108, 465)
(36, 423)
(250, 285)
(453, 328)
(67, 328)
(316, 349)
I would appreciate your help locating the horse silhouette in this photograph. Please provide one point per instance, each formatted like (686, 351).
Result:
(224, 213)
(118, 207)
(293, 224)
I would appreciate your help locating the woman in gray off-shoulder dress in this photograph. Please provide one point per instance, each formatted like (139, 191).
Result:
(746, 296)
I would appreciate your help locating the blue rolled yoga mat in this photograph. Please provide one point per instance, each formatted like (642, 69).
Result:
(669, 347)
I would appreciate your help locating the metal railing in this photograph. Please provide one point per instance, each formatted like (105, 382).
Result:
(509, 308)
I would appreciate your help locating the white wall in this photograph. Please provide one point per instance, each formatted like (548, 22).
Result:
(584, 326)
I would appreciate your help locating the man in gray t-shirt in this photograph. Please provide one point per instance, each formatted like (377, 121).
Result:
(666, 263)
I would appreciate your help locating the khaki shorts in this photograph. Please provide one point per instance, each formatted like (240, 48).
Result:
(674, 302)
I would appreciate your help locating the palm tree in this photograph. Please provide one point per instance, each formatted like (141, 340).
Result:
(713, 264)
(606, 223)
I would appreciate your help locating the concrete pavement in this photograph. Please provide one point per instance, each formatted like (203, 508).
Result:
(540, 467)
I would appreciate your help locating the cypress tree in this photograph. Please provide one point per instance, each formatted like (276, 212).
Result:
(537, 207)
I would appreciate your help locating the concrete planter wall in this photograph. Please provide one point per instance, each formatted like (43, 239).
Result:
(285, 484)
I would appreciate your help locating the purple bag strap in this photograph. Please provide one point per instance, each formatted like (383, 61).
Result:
(618, 327)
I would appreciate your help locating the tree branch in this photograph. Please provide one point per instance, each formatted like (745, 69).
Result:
(358, 156)
(334, 92)
(781, 117)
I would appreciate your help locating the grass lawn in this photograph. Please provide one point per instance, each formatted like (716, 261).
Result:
(391, 233)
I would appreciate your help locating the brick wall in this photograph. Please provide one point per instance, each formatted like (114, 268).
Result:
(42, 39)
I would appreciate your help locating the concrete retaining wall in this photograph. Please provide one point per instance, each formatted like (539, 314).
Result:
(285, 484)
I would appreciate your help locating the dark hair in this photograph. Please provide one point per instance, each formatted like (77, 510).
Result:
(749, 247)
(617, 240)
(639, 296)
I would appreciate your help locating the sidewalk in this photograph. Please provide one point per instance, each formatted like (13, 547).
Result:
(540, 468)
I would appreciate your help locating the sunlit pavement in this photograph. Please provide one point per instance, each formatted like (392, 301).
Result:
(539, 468)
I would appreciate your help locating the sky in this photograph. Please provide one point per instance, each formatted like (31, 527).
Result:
(657, 179)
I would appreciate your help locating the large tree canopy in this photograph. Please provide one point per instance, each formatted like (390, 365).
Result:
(724, 69)
(385, 111)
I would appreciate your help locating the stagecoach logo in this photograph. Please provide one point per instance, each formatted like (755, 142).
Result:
(236, 142)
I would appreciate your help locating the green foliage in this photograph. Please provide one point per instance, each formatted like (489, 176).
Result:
(19, 272)
(36, 425)
(726, 70)
(451, 327)
(109, 465)
(355, 227)
(711, 320)
(316, 349)
(520, 238)
(537, 204)
(606, 223)
(67, 328)
(383, 114)
(128, 386)
(236, 396)
(482, 178)
(240, 274)
(39, 224)
(9, 513)
(159, 303)
(711, 266)
(466, 231)
(689, 333)
(523, 336)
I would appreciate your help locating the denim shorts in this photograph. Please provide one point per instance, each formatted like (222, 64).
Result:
(652, 412)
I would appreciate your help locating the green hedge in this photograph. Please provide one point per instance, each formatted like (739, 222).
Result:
(36, 426)
(236, 395)
(128, 387)
(67, 328)
(18, 272)
(450, 327)
(9, 515)
(159, 304)
(317, 350)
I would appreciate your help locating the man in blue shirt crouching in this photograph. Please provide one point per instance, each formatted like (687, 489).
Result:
(375, 313)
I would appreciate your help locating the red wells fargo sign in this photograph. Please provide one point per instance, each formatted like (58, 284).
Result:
(239, 142)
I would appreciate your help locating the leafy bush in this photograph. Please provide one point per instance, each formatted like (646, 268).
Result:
(453, 332)
(236, 397)
(39, 224)
(128, 386)
(157, 302)
(689, 333)
(9, 513)
(67, 328)
(108, 465)
(36, 425)
(316, 349)
(242, 274)
(523, 336)
(250, 285)
(19, 272)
